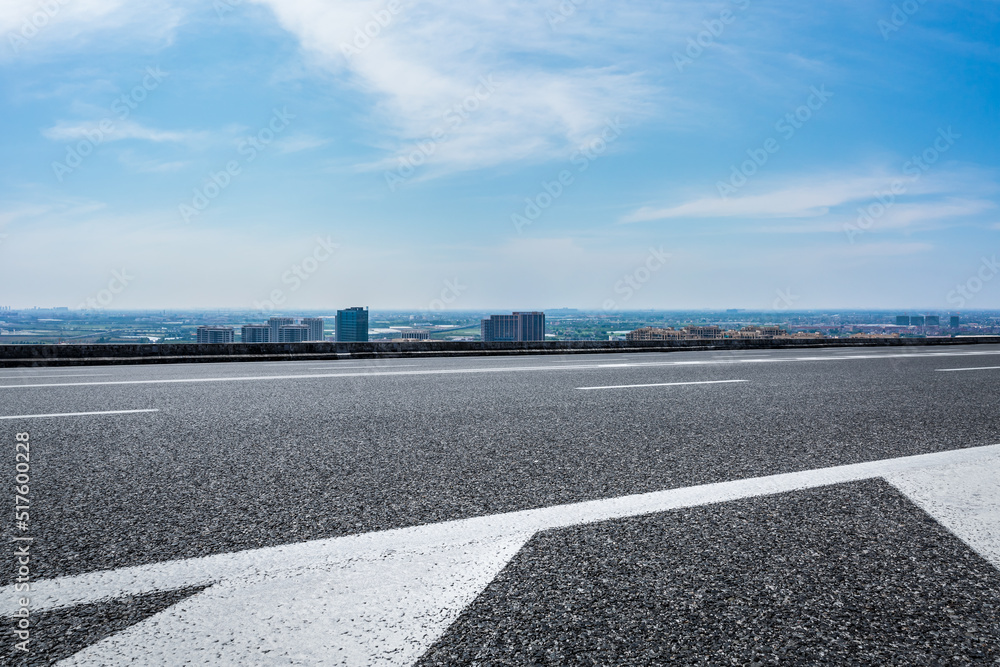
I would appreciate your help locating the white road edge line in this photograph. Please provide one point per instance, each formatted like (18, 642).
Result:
(979, 368)
(660, 384)
(82, 414)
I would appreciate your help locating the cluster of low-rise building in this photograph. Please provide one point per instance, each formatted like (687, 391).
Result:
(714, 332)
(749, 332)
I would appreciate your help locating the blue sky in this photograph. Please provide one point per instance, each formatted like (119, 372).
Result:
(500, 154)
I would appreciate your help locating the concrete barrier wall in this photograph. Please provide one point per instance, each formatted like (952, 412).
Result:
(70, 355)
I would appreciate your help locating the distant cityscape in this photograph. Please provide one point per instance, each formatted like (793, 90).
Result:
(62, 325)
(352, 327)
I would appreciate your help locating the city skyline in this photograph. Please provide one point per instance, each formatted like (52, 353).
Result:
(509, 155)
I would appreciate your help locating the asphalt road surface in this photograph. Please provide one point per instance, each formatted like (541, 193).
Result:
(829, 506)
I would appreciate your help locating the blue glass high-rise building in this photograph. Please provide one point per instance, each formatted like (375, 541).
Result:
(352, 325)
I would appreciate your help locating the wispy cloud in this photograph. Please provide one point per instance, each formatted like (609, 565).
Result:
(927, 214)
(15, 13)
(555, 87)
(16, 212)
(151, 166)
(934, 196)
(61, 209)
(300, 142)
(33, 28)
(67, 131)
(881, 249)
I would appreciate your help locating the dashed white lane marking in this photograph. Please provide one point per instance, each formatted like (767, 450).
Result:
(65, 375)
(495, 369)
(382, 598)
(81, 414)
(659, 384)
(334, 366)
(978, 368)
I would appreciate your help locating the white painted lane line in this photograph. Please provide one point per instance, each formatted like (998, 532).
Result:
(70, 375)
(384, 597)
(660, 384)
(81, 414)
(980, 368)
(493, 369)
(335, 366)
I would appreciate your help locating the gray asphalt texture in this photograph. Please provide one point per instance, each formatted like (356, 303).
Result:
(226, 466)
(853, 574)
(56, 635)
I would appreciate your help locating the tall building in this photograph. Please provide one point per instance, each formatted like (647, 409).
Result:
(352, 325)
(954, 321)
(207, 334)
(275, 323)
(917, 320)
(255, 333)
(315, 325)
(933, 320)
(531, 326)
(499, 328)
(517, 327)
(293, 333)
(902, 320)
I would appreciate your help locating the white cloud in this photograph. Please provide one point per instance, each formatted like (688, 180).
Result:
(802, 200)
(899, 216)
(932, 196)
(301, 142)
(23, 211)
(33, 16)
(62, 208)
(554, 89)
(147, 166)
(882, 249)
(33, 28)
(906, 215)
(64, 131)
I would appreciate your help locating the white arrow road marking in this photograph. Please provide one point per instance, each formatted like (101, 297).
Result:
(379, 609)
(383, 598)
(964, 496)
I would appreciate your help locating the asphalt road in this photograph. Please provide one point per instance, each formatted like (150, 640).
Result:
(231, 457)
